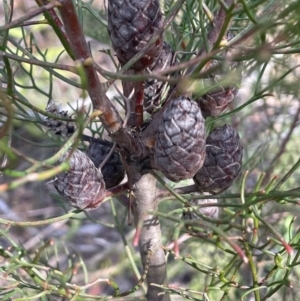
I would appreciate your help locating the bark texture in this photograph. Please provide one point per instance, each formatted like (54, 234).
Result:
(148, 229)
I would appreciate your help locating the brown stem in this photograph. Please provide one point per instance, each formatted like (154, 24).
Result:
(116, 190)
(139, 104)
(135, 105)
(53, 19)
(110, 117)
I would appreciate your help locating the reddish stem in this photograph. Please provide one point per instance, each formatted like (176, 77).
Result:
(110, 117)
(139, 104)
(53, 19)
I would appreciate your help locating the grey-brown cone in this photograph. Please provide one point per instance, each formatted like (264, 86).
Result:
(131, 24)
(82, 185)
(223, 160)
(154, 88)
(215, 102)
(179, 149)
(59, 127)
(227, 77)
(113, 170)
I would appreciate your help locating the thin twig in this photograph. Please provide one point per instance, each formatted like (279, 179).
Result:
(30, 15)
(39, 62)
(108, 156)
(127, 103)
(284, 143)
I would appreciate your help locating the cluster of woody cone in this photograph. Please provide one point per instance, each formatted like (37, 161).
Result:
(181, 149)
